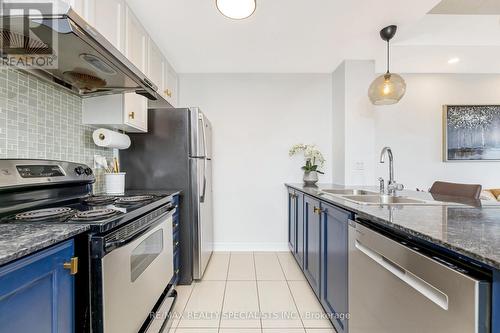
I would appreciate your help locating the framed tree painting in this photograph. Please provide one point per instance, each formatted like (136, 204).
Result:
(471, 133)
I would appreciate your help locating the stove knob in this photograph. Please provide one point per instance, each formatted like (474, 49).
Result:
(79, 170)
(88, 171)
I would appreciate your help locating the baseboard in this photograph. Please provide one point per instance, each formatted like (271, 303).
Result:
(250, 247)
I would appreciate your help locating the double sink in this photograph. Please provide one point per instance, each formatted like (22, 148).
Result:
(365, 197)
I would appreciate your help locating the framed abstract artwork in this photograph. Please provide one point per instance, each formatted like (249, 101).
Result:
(471, 133)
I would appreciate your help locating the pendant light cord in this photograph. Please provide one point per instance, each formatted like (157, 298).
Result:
(388, 57)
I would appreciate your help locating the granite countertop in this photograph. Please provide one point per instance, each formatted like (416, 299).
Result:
(19, 240)
(469, 228)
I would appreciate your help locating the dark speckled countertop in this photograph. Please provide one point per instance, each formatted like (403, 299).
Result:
(467, 228)
(19, 240)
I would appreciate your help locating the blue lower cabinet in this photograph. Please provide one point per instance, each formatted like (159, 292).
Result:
(312, 246)
(37, 292)
(292, 220)
(334, 274)
(495, 306)
(176, 243)
(296, 225)
(299, 229)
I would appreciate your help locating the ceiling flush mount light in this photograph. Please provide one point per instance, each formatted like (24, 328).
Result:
(454, 60)
(388, 88)
(236, 9)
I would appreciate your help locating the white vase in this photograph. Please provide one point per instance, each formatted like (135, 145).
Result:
(310, 178)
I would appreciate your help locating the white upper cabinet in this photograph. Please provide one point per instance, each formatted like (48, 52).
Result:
(115, 20)
(156, 66)
(171, 91)
(85, 8)
(110, 21)
(127, 112)
(135, 112)
(136, 39)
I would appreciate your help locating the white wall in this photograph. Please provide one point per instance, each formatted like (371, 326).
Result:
(413, 128)
(360, 129)
(338, 125)
(256, 118)
(353, 124)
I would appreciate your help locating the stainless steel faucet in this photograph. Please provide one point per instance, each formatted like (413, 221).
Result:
(382, 185)
(392, 186)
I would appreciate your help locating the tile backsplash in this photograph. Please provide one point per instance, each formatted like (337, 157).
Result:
(41, 121)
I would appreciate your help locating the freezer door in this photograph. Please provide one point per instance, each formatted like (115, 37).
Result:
(201, 135)
(203, 215)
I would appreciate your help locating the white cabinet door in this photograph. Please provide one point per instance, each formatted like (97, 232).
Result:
(156, 66)
(110, 21)
(127, 112)
(171, 90)
(136, 111)
(136, 39)
(85, 8)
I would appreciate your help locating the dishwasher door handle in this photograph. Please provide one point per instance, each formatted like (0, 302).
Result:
(420, 285)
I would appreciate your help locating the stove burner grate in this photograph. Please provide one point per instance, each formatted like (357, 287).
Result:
(133, 199)
(96, 214)
(99, 200)
(45, 214)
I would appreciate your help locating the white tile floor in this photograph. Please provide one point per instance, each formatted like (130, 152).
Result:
(245, 292)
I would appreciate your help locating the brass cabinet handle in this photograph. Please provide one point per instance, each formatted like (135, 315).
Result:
(176, 244)
(317, 210)
(168, 93)
(72, 266)
(131, 115)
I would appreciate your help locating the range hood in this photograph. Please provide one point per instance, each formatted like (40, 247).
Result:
(86, 63)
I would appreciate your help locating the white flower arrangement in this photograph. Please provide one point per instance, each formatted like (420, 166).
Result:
(313, 157)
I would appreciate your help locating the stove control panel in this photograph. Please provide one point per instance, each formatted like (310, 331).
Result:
(18, 173)
(39, 171)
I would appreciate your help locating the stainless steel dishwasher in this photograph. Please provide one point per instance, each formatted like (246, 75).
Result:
(395, 286)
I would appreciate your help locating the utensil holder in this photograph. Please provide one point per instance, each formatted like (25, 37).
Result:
(114, 183)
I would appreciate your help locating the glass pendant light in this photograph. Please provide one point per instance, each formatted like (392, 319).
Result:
(236, 9)
(388, 88)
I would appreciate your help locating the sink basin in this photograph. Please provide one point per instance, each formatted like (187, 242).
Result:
(349, 192)
(383, 200)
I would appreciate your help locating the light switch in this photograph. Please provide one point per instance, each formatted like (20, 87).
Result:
(359, 166)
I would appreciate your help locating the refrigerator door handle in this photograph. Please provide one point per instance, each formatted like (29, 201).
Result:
(203, 192)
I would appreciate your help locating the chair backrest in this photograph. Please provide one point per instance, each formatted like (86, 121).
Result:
(459, 190)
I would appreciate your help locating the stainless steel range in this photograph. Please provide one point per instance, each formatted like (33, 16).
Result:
(129, 249)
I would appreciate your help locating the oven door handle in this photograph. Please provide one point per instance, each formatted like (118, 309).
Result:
(117, 244)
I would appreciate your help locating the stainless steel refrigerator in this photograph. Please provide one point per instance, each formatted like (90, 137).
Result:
(176, 153)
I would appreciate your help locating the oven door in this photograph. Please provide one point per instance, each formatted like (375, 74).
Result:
(134, 276)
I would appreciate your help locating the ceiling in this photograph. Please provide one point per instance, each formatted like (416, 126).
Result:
(467, 7)
(283, 36)
(314, 36)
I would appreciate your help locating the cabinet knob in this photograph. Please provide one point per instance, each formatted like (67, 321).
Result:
(72, 266)
(168, 93)
(131, 115)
